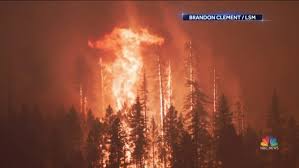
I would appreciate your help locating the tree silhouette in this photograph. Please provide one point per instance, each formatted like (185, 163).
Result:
(95, 144)
(197, 126)
(138, 133)
(117, 142)
(172, 135)
(226, 137)
(37, 138)
(73, 139)
(185, 151)
(274, 117)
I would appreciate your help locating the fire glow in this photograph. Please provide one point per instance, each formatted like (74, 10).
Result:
(125, 43)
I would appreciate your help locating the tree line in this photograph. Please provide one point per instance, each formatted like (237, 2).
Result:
(126, 138)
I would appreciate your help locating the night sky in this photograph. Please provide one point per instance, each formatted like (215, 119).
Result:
(40, 41)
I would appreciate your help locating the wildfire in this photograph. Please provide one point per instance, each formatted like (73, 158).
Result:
(125, 43)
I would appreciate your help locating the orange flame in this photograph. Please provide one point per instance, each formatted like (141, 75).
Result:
(126, 69)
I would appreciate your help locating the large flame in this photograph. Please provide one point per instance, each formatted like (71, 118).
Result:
(125, 43)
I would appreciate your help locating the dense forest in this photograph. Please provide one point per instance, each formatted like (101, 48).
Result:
(130, 84)
(35, 137)
(128, 138)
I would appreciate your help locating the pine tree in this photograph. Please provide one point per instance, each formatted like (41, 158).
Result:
(73, 139)
(108, 121)
(95, 144)
(117, 143)
(181, 160)
(178, 142)
(227, 140)
(197, 115)
(90, 119)
(57, 139)
(171, 135)
(274, 117)
(138, 133)
(185, 152)
(223, 116)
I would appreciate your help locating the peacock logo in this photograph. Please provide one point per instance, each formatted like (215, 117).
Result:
(269, 143)
(265, 141)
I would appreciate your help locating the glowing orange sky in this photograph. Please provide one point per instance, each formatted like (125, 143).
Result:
(252, 58)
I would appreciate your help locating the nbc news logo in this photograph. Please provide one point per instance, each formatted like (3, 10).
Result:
(269, 143)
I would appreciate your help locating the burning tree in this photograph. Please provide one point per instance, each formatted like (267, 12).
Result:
(144, 96)
(195, 109)
(197, 117)
(161, 90)
(239, 118)
(154, 140)
(164, 80)
(126, 69)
